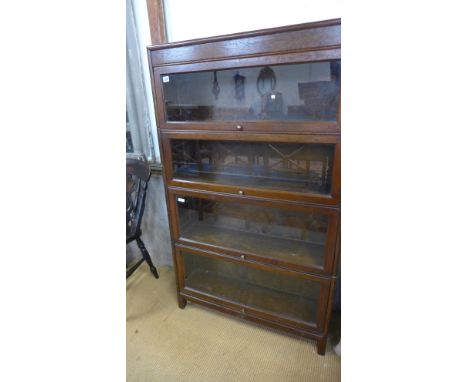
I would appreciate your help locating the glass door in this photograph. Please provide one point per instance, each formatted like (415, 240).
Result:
(258, 94)
(301, 237)
(279, 167)
(255, 290)
(293, 92)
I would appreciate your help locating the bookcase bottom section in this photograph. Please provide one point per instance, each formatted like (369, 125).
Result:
(271, 293)
(251, 294)
(320, 338)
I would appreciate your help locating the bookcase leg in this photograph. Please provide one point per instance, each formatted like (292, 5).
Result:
(322, 346)
(182, 302)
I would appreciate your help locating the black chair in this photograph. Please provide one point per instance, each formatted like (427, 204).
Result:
(138, 175)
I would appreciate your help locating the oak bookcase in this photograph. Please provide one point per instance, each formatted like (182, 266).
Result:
(249, 132)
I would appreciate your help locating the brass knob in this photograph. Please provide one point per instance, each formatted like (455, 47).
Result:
(239, 127)
(242, 257)
(241, 192)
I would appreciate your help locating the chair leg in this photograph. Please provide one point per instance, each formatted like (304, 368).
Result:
(134, 268)
(147, 257)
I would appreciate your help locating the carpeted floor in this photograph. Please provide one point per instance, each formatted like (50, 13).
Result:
(167, 344)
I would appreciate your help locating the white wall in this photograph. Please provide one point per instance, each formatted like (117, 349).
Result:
(188, 19)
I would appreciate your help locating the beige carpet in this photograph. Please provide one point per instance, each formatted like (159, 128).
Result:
(166, 344)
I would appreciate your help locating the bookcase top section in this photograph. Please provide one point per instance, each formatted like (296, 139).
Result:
(320, 35)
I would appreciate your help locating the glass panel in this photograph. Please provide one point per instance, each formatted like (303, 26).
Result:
(302, 92)
(267, 291)
(282, 166)
(292, 236)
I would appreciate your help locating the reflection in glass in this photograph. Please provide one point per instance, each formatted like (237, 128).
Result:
(267, 291)
(282, 166)
(292, 236)
(301, 92)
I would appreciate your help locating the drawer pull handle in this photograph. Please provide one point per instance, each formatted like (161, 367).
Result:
(241, 192)
(239, 127)
(243, 257)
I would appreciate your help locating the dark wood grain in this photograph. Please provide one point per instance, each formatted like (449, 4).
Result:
(296, 44)
(304, 37)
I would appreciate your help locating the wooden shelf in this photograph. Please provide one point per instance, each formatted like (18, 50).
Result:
(242, 292)
(294, 183)
(292, 251)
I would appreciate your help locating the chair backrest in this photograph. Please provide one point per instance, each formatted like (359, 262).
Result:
(138, 175)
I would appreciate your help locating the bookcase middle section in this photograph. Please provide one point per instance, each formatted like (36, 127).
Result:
(300, 237)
